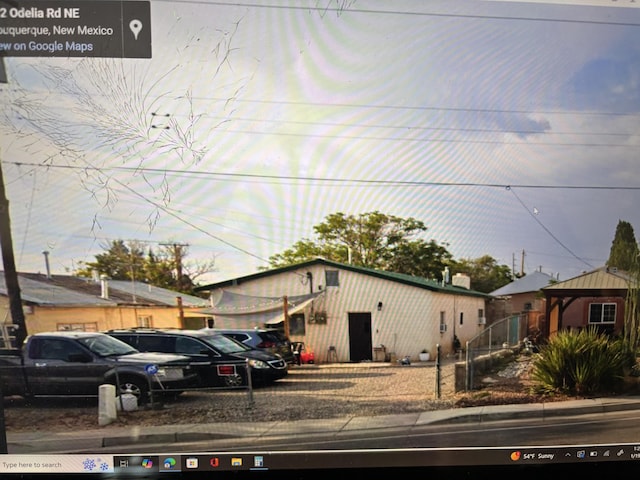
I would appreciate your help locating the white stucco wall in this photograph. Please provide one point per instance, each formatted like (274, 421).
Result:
(408, 321)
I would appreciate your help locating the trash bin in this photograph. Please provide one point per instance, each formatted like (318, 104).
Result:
(379, 353)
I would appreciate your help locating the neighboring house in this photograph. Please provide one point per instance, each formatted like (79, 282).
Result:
(593, 298)
(349, 313)
(522, 296)
(63, 302)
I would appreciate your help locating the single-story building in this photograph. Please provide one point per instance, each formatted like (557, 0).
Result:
(64, 302)
(348, 313)
(522, 296)
(594, 298)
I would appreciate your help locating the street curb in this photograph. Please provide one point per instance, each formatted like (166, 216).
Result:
(43, 442)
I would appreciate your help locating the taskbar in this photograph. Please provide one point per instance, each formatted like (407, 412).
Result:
(140, 465)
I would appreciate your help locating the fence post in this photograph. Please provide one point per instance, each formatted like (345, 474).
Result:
(118, 391)
(490, 339)
(249, 383)
(151, 390)
(438, 371)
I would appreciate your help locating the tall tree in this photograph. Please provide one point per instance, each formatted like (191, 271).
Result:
(159, 269)
(120, 261)
(624, 248)
(374, 240)
(166, 267)
(485, 272)
(624, 255)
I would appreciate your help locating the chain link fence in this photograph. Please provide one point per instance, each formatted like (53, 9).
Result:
(502, 334)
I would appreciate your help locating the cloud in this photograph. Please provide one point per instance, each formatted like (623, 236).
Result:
(609, 82)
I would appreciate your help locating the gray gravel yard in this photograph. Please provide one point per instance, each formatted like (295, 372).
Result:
(308, 392)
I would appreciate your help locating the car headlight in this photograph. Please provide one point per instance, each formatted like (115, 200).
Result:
(257, 364)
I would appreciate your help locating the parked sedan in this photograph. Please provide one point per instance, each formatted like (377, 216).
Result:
(217, 359)
(262, 339)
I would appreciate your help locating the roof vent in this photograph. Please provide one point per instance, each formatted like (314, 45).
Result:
(104, 284)
(461, 280)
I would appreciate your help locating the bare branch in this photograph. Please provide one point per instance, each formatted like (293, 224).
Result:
(110, 109)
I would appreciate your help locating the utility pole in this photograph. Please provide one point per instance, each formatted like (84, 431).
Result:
(10, 276)
(177, 258)
(285, 314)
(9, 264)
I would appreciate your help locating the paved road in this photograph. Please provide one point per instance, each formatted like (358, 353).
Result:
(135, 439)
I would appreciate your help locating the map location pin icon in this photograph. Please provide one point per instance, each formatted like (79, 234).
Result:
(136, 26)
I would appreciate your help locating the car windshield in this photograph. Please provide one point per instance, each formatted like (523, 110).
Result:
(225, 344)
(107, 346)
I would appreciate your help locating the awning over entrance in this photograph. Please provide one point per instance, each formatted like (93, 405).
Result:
(257, 310)
(291, 310)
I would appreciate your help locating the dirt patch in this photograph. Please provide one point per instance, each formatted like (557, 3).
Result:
(511, 384)
(306, 393)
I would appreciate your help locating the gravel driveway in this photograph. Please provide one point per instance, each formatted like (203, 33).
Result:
(308, 392)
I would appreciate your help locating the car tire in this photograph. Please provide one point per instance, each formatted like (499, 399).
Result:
(233, 381)
(135, 386)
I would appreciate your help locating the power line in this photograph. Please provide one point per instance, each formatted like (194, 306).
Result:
(435, 140)
(418, 128)
(419, 108)
(556, 239)
(339, 11)
(412, 128)
(359, 182)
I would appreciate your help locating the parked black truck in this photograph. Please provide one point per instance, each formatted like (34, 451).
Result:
(77, 363)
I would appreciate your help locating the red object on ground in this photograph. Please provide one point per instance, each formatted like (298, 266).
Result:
(303, 353)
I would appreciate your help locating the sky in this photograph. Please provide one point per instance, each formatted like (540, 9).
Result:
(509, 129)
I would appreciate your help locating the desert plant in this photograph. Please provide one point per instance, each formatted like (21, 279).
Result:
(583, 362)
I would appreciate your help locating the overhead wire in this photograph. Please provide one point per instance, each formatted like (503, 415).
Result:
(544, 227)
(355, 181)
(360, 182)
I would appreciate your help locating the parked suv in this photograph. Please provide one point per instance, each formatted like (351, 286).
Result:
(218, 360)
(269, 340)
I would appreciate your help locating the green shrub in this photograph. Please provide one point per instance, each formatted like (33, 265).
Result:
(582, 363)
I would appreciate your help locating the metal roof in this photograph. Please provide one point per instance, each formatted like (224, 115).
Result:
(157, 294)
(419, 282)
(49, 293)
(600, 279)
(531, 282)
(67, 290)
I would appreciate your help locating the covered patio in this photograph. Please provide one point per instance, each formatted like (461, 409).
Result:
(593, 298)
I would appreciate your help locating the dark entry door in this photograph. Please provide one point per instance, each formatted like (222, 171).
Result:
(360, 343)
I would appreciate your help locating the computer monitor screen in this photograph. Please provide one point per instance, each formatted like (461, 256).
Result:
(308, 236)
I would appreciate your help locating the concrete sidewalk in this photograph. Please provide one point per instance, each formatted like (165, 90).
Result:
(101, 439)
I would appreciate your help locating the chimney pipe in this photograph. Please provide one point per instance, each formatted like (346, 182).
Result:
(104, 286)
(46, 264)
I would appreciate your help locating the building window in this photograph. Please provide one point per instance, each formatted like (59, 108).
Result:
(77, 327)
(296, 324)
(600, 313)
(331, 278)
(528, 306)
(461, 318)
(144, 321)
